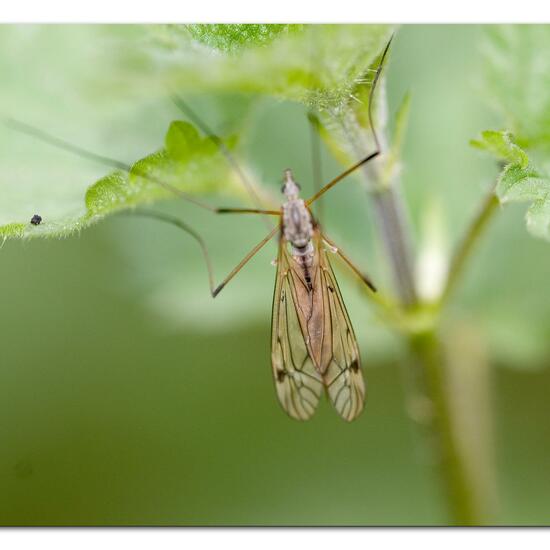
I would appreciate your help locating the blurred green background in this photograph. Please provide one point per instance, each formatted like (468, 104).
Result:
(128, 396)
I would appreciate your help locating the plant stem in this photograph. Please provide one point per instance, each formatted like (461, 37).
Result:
(451, 452)
(390, 217)
(389, 211)
(451, 439)
(465, 502)
(464, 250)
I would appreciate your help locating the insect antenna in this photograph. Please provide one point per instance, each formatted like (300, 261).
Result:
(316, 161)
(378, 148)
(314, 140)
(371, 93)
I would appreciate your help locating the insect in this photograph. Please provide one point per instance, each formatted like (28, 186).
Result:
(313, 345)
(36, 219)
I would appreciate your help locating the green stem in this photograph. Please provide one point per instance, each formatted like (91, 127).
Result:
(464, 250)
(435, 378)
(451, 440)
(388, 207)
(464, 496)
(389, 210)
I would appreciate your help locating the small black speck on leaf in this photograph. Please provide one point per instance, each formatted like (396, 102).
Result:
(36, 219)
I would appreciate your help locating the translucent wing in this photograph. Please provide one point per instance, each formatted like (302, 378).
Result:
(342, 376)
(298, 383)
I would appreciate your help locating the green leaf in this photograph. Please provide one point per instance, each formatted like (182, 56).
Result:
(502, 146)
(538, 218)
(517, 85)
(345, 124)
(231, 38)
(326, 66)
(519, 184)
(188, 162)
(519, 180)
(110, 193)
(317, 65)
(12, 230)
(517, 80)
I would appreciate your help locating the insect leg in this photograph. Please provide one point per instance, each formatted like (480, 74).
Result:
(247, 211)
(64, 145)
(185, 109)
(101, 159)
(190, 231)
(353, 267)
(377, 150)
(60, 143)
(243, 262)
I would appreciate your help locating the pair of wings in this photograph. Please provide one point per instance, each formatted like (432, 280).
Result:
(299, 380)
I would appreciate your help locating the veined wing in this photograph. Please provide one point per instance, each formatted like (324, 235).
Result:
(342, 376)
(298, 383)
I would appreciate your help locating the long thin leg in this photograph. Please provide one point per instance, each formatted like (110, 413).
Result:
(190, 231)
(184, 108)
(59, 143)
(247, 211)
(372, 155)
(106, 161)
(353, 267)
(241, 264)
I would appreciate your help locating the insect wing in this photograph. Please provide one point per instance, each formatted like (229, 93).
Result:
(298, 383)
(342, 377)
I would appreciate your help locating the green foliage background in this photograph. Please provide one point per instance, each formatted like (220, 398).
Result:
(129, 396)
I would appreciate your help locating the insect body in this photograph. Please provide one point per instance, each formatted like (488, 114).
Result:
(297, 226)
(313, 345)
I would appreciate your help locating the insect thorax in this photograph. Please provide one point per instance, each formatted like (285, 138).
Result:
(298, 227)
(297, 222)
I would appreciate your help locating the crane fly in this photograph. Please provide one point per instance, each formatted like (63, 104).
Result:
(313, 345)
